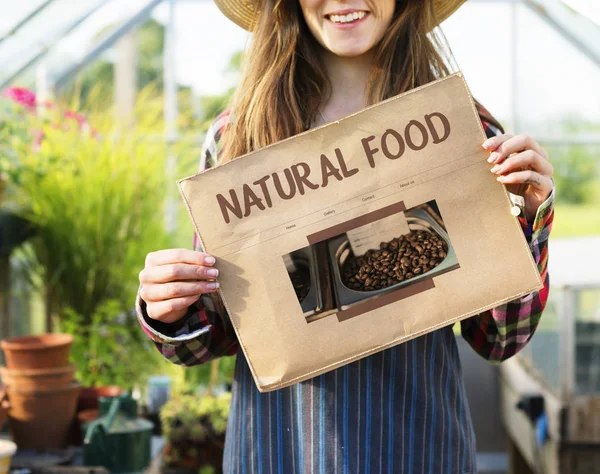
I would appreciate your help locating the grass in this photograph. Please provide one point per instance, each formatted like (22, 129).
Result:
(576, 221)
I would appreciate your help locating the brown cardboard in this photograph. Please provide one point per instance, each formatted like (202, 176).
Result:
(263, 236)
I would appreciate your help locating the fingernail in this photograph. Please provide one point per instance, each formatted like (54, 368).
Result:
(213, 272)
(495, 169)
(490, 159)
(500, 179)
(213, 285)
(209, 260)
(488, 144)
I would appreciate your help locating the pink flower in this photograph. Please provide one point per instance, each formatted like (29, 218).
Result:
(21, 96)
(79, 118)
(38, 138)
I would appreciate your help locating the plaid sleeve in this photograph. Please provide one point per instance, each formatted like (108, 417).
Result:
(206, 332)
(503, 331)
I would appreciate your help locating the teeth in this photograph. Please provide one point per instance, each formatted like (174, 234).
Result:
(350, 17)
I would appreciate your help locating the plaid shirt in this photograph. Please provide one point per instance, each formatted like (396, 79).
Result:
(395, 411)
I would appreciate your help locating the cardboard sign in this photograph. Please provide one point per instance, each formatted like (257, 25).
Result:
(278, 221)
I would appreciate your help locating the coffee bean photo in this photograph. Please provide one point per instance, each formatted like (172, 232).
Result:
(395, 261)
(301, 281)
(328, 277)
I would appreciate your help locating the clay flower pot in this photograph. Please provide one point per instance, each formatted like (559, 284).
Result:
(38, 378)
(37, 352)
(41, 418)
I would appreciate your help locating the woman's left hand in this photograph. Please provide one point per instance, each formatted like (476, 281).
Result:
(523, 166)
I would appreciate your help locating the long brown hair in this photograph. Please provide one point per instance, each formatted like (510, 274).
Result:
(284, 81)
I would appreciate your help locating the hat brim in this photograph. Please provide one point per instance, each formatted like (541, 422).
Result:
(244, 12)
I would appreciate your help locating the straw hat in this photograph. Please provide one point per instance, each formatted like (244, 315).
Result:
(243, 12)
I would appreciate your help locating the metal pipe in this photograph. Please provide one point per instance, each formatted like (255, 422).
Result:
(26, 20)
(169, 76)
(514, 68)
(170, 111)
(48, 46)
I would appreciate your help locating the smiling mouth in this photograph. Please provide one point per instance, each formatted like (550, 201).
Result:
(346, 18)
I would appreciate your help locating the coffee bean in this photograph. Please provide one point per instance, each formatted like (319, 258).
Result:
(399, 260)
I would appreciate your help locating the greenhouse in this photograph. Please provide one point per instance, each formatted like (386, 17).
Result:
(105, 105)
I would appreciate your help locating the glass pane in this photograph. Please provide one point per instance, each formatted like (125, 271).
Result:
(542, 354)
(13, 16)
(527, 80)
(62, 34)
(551, 100)
(40, 33)
(587, 340)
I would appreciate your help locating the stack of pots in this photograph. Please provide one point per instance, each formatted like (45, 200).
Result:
(41, 389)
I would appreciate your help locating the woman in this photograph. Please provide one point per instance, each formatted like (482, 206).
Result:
(403, 409)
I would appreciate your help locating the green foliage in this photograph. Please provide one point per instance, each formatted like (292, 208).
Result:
(96, 191)
(14, 130)
(576, 169)
(194, 428)
(200, 374)
(98, 206)
(110, 349)
(213, 105)
(190, 410)
(207, 470)
(98, 78)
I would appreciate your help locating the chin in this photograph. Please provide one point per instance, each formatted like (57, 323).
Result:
(350, 51)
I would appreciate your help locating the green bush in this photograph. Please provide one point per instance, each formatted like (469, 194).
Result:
(97, 199)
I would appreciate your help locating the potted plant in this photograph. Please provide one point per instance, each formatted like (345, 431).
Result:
(194, 429)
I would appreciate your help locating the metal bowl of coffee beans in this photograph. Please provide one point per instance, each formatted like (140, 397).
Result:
(302, 268)
(424, 252)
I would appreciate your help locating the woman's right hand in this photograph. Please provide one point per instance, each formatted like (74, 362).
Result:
(173, 280)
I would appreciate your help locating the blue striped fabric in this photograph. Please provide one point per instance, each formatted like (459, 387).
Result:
(403, 410)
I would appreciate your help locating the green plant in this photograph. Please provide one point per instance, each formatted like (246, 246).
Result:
(110, 349)
(194, 428)
(98, 203)
(16, 113)
(97, 198)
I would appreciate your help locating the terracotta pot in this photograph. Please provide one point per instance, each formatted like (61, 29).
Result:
(34, 378)
(37, 352)
(41, 418)
(89, 396)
